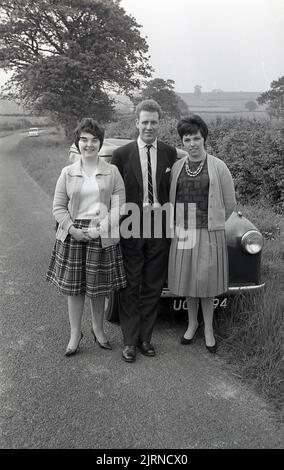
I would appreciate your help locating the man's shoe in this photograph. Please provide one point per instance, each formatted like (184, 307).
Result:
(129, 353)
(147, 349)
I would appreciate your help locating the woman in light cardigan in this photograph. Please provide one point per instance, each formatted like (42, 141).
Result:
(86, 259)
(203, 196)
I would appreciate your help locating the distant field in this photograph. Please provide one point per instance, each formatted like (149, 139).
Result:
(208, 115)
(14, 118)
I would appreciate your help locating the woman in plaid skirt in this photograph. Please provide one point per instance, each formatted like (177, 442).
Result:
(86, 259)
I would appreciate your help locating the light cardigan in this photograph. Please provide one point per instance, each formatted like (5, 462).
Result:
(221, 197)
(67, 198)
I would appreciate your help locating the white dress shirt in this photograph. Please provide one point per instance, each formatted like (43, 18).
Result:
(144, 167)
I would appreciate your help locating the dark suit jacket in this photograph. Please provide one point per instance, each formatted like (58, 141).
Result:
(127, 160)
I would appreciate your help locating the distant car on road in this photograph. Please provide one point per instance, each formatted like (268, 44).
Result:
(244, 242)
(33, 132)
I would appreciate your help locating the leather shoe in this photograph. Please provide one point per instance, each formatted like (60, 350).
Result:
(71, 352)
(129, 353)
(212, 349)
(186, 341)
(105, 345)
(147, 349)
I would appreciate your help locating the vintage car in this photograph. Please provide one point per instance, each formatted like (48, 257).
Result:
(244, 242)
(33, 132)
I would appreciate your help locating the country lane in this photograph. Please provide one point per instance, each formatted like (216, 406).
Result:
(182, 398)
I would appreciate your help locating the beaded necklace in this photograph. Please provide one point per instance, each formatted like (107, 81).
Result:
(197, 171)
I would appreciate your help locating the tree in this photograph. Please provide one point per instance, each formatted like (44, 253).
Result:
(67, 56)
(274, 98)
(251, 106)
(162, 91)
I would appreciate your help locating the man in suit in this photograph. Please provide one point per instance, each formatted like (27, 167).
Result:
(145, 166)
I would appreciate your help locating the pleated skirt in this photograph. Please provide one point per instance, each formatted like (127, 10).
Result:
(198, 267)
(77, 268)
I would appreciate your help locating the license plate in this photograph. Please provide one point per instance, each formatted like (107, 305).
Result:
(181, 304)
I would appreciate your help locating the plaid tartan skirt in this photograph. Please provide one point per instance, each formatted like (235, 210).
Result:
(79, 268)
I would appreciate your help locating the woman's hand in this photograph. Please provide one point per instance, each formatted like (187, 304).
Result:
(93, 231)
(79, 234)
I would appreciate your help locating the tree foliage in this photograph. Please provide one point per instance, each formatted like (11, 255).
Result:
(69, 56)
(162, 91)
(253, 151)
(251, 106)
(274, 98)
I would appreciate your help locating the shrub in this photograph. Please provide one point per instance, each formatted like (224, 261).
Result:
(253, 151)
(124, 128)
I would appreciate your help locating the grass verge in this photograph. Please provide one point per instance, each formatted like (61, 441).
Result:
(252, 339)
(44, 157)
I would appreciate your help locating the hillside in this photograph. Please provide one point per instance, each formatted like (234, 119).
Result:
(10, 107)
(221, 101)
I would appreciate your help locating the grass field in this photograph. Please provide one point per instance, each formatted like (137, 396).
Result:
(209, 115)
(252, 332)
(10, 123)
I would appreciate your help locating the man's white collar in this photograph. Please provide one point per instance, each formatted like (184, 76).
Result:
(142, 144)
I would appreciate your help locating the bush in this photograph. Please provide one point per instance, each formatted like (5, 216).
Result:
(124, 128)
(253, 151)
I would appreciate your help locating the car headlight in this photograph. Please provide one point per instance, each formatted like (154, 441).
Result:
(252, 242)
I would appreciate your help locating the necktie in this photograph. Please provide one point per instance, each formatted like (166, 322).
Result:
(150, 182)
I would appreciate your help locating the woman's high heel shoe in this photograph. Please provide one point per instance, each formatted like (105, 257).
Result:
(212, 349)
(71, 352)
(186, 341)
(105, 345)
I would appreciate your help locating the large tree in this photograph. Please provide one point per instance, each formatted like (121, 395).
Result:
(69, 56)
(274, 98)
(162, 91)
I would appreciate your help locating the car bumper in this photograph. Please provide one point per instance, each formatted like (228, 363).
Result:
(234, 290)
(243, 289)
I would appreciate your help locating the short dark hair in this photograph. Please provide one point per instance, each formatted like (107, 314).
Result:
(148, 105)
(191, 125)
(89, 125)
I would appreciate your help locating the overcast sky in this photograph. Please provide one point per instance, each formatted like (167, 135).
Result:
(234, 45)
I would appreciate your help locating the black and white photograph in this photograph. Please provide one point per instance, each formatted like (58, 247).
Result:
(142, 228)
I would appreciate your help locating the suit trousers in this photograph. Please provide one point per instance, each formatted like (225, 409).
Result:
(146, 263)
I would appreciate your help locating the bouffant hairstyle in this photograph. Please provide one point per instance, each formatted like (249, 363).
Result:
(89, 125)
(148, 105)
(191, 125)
